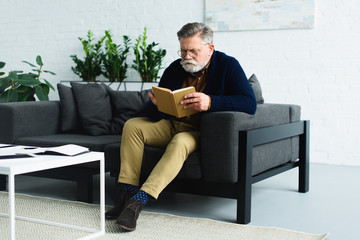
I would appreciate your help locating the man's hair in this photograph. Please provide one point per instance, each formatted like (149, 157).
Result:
(192, 29)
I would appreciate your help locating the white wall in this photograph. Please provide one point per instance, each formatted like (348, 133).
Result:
(318, 69)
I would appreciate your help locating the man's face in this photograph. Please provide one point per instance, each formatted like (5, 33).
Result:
(194, 53)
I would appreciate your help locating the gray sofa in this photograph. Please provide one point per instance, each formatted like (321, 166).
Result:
(236, 149)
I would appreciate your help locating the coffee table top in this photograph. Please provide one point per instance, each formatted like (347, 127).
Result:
(43, 162)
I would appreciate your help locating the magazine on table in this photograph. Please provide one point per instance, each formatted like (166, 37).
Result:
(16, 151)
(66, 150)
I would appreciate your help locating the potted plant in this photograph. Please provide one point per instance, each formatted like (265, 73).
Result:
(89, 68)
(147, 60)
(19, 86)
(114, 58)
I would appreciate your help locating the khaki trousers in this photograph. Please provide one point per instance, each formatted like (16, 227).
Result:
(180, 139)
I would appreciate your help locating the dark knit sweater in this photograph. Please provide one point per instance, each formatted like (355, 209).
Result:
(227, 86)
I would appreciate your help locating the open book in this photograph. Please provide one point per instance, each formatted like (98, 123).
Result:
(169, 101)
(66, 150)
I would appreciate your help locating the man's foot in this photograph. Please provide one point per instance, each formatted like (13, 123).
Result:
(128, 217)
(119, 205)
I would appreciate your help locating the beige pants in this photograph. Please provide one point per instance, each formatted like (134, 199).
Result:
(180, 139)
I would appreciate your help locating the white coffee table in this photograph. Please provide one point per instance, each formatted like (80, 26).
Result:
(13, 167)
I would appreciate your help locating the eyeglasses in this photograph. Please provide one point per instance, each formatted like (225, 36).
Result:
(193, 53)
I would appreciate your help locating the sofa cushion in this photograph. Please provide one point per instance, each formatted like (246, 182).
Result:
(190, 170)
(126, 105)
(94, 143)
(69, 120)
(255, 84)
(94, 108)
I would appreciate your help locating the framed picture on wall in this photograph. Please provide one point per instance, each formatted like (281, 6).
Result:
(235, 15)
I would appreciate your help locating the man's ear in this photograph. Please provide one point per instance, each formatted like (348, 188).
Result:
(211, 48)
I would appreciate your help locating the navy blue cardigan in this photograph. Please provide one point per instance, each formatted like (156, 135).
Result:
(227, 86)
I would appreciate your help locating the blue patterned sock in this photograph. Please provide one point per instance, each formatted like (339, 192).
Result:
(131, 188)
(142, 197)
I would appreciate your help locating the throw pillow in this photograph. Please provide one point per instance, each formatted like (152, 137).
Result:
(255, 84)
(126, 105)
(94, 108)
(68, 110)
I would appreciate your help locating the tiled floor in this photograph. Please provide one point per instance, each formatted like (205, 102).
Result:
(332, 204)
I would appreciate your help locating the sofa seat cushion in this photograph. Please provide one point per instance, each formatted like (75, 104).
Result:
(190, 170)
(94, 143)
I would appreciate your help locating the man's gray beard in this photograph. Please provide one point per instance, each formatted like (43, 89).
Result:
(192, 68)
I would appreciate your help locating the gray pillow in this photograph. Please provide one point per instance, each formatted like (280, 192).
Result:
(126, 105)
(94, 108)
(255, 84)
(69, 118)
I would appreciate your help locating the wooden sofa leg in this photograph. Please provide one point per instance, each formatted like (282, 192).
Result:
(2, 182)
(304, 163)
(85, 189)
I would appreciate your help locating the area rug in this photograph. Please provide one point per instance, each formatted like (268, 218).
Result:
(151, 226)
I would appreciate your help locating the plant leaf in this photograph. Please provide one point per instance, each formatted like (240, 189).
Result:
(41, 93)
(52, 73)
(13, 76)
(49, 85)
(9, 96)
(32, 65)
(39, 60)
(25, 94)
(4, 84)
(2, 64)
(28, 80)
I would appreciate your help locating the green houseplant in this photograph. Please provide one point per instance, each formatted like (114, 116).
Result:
(147, 60)
(89, 68)
(19, 86)
(114, 58)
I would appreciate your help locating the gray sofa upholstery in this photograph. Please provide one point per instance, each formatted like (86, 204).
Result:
(236, 149)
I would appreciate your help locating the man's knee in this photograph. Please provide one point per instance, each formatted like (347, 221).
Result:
(186, 140)
(134, 123)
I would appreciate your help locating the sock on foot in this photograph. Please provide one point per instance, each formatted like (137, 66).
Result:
(142, 197)
(131, 188)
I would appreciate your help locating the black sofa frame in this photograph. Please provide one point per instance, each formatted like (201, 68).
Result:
(242, 189)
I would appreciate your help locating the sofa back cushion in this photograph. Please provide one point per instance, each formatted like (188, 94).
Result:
(94, 108)
(69, 121)
(255, 84)
(126, 105)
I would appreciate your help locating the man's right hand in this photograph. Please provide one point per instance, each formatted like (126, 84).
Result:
(152, 98)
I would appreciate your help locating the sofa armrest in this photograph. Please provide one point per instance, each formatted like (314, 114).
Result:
(25, 119)
(220, 137)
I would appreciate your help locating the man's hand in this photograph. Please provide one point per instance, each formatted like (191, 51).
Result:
(152, 97)
(198, 101)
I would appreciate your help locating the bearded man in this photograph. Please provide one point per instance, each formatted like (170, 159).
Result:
(221, 85)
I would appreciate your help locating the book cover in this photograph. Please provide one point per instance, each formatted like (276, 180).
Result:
(169, 101)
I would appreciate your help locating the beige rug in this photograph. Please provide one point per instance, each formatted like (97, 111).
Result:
(151, 226)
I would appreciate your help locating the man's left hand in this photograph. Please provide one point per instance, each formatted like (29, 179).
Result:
(198, 101)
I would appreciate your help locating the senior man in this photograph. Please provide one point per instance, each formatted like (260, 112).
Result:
(221, 85)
